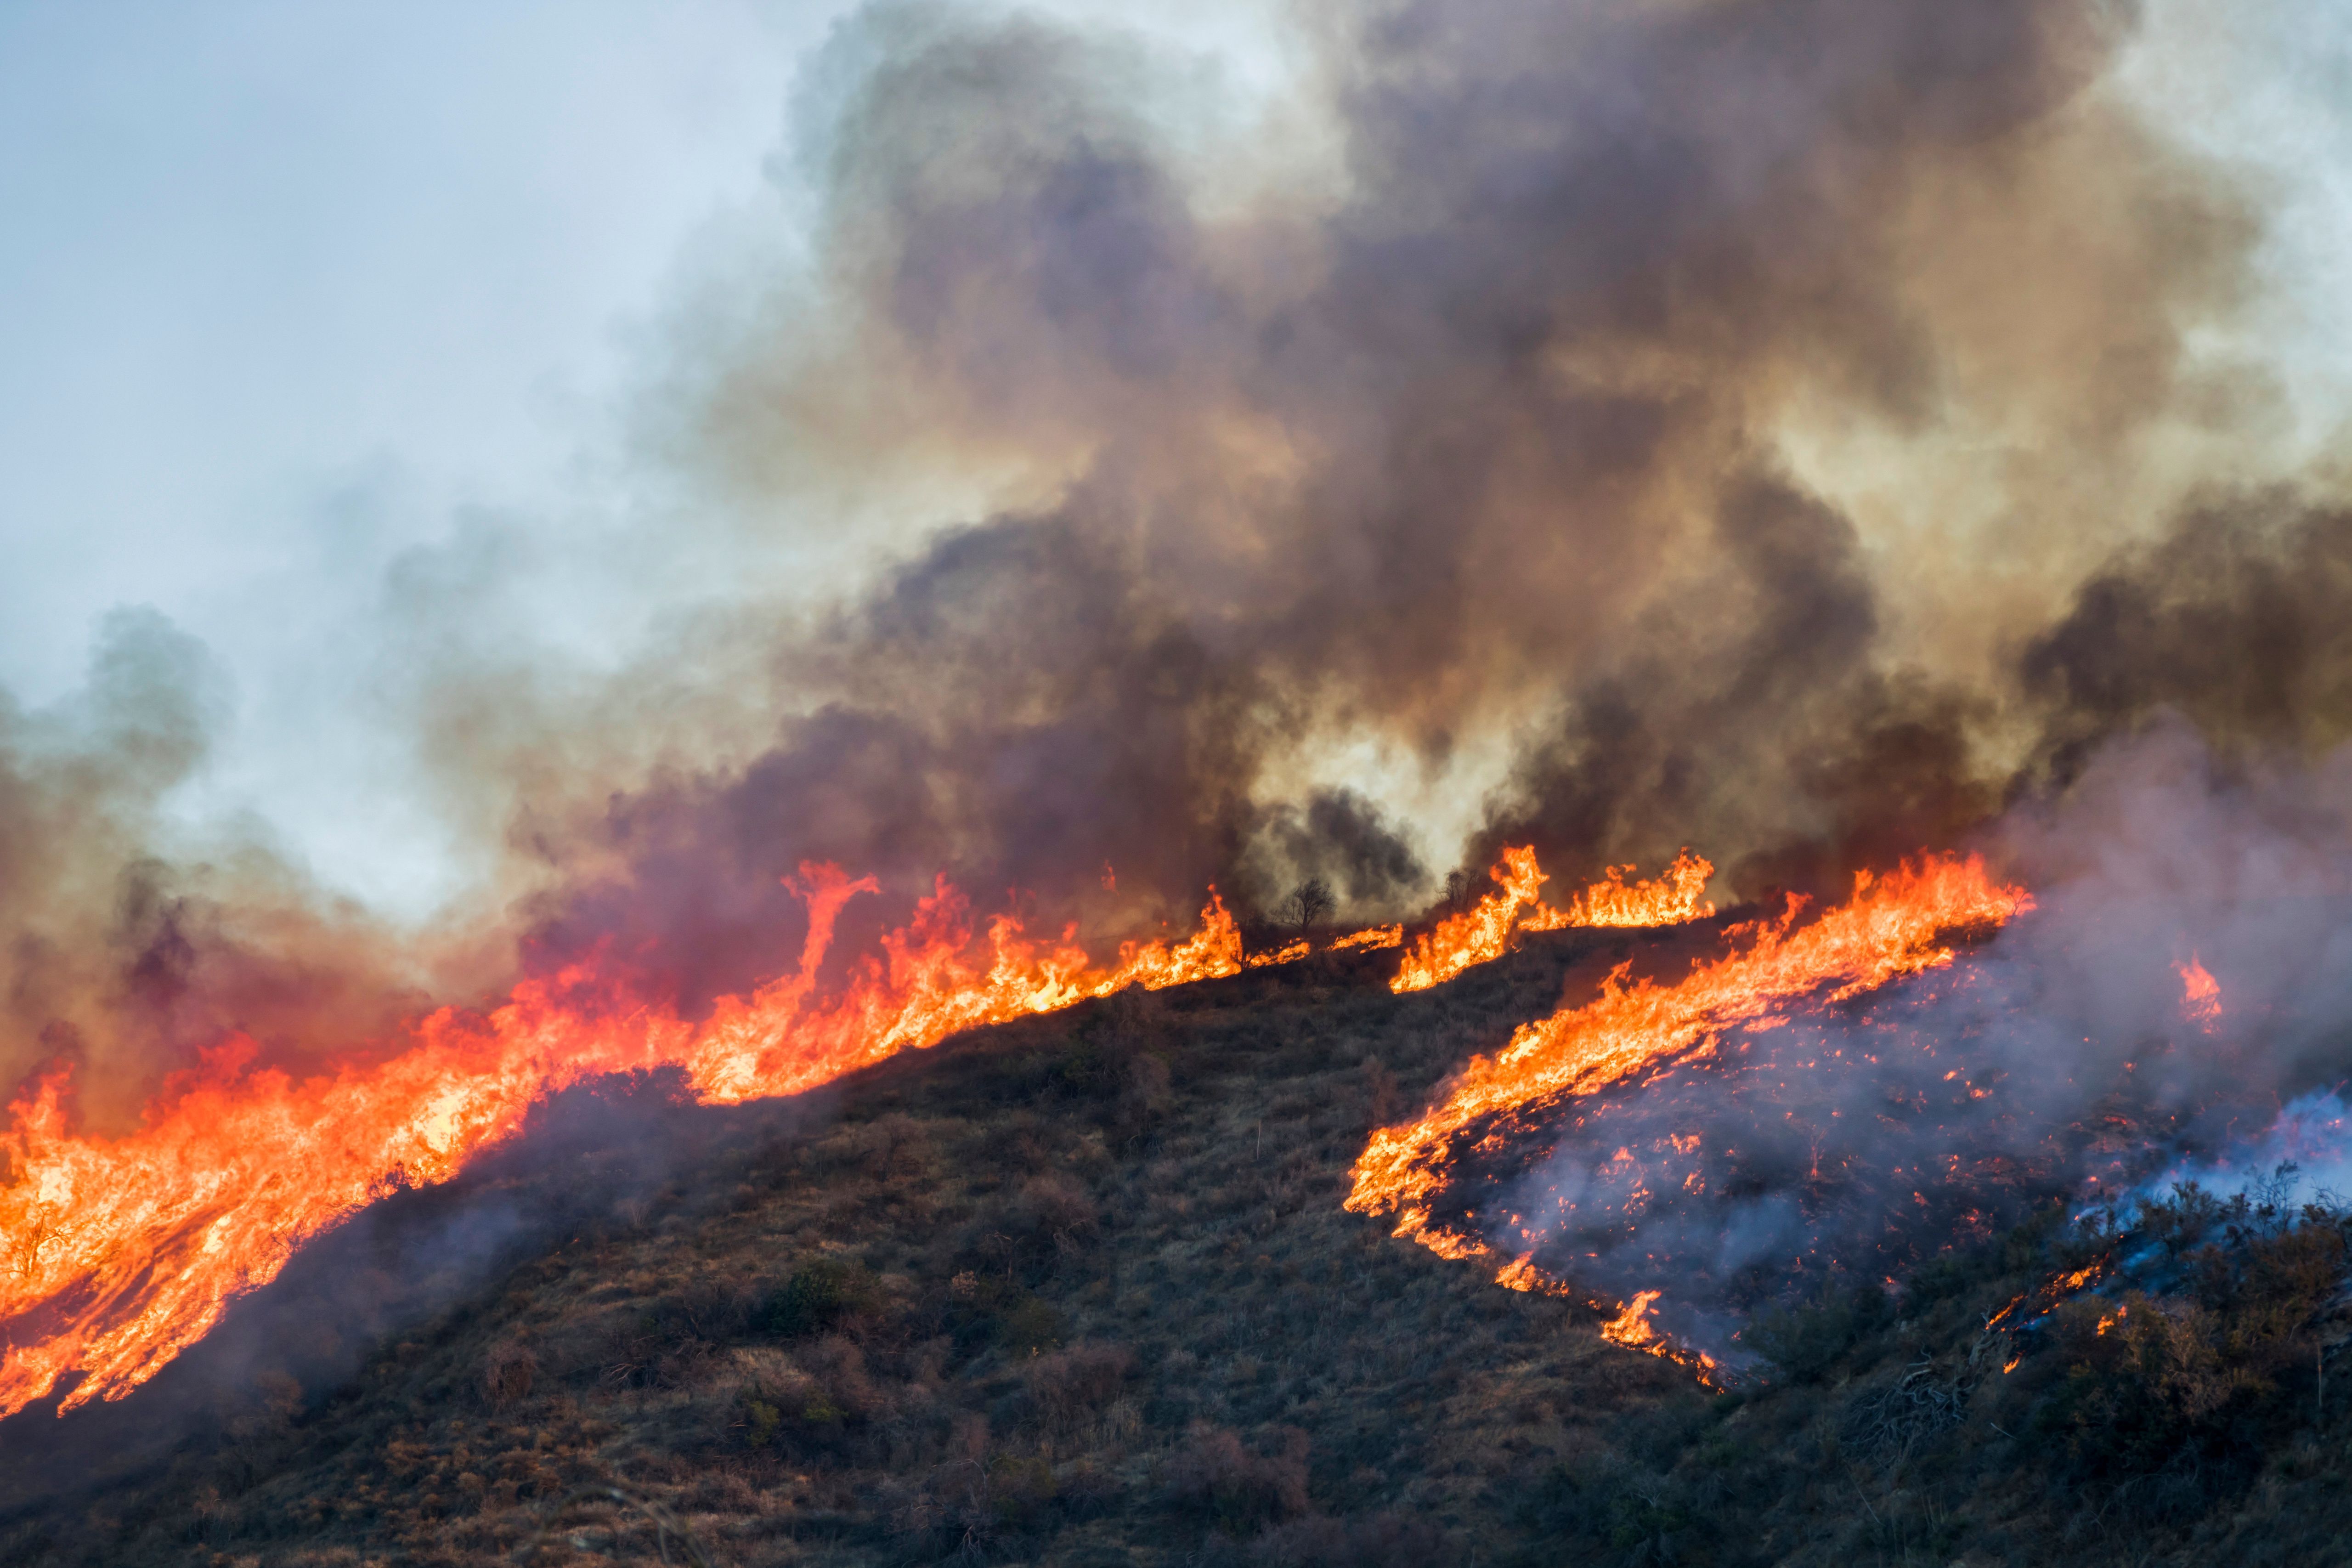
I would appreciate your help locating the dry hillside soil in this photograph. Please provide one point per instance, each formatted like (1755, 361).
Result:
(1081, 1291)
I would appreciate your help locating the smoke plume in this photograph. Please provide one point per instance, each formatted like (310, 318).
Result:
(1490, 446)
(1491, 436)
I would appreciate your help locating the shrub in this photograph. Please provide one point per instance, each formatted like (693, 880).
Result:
(1019, 1490)
(1143, 1094)
(1049, 1206)
(506, 1373)
(2203, 1378)
(1368, 1541)
(1805, 1342)
(1069, 1383)
(1243, 1492)
(1027, 1324)
(810, 1407)
(822, 1294)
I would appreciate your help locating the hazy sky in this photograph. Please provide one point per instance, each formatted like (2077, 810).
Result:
(288, 288)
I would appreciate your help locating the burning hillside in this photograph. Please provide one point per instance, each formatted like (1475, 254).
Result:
(1840, 1102)
(1084, 1282)
(1524, 441)
(128, 1249)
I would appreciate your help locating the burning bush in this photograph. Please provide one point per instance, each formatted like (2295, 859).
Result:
(2221, 1359)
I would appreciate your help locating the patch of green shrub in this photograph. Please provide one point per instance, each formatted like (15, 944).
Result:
(822, 1294)
(1805, 1342)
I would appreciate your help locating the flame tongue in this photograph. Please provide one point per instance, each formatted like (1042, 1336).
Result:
(1891, 927)
(1481, 932)
(1678, 894)
(121, 1252)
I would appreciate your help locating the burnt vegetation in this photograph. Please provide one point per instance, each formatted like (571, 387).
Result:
(1081, 1291)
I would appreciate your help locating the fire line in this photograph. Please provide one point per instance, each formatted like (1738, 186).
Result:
(1893, 926)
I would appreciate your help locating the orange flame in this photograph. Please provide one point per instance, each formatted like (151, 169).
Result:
(121, 1252)
(2201, 993)
(1632, 1329)
(1481, 932)
(1372, 939)
(1893, 926)
(1475, 936)
(1678, 894)
(1631, 1326)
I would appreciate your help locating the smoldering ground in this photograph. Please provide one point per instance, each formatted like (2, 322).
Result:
(2067, 1057)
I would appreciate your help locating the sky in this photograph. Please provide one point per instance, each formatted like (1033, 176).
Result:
(293, 291)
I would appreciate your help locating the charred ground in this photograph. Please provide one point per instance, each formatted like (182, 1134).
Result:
(1081, 1291)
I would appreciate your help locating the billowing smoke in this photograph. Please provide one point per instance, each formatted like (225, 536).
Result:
(123, 949)
(1503, 456)
(1489, 434)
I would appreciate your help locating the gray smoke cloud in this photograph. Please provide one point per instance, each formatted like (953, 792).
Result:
(1492, 435)
(1497, 434)
(124, 952)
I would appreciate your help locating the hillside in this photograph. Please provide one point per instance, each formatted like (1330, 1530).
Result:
(1081, 1291)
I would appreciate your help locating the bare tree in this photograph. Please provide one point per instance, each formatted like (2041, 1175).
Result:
(1309, 903)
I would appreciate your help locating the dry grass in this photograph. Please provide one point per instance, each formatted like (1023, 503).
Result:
(1081, 1291)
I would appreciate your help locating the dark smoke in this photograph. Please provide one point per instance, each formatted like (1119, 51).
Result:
(1473, 444)
(1482, 437)
(122, 958)
(2236, 619)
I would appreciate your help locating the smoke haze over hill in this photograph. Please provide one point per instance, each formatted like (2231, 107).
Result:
(1791, 430)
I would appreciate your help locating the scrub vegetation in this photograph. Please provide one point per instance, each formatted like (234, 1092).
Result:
(1081, 1291)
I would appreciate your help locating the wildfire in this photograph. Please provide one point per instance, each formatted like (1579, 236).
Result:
(1893, 926)
(1678, 894)
(1631, 1327)
(2201, 993)
(1482, 932)
(120, 1252)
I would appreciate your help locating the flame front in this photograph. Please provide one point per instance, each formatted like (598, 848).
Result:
(2201, 993)
(121, 1252)
(1632, 1327)
(1481, 932)
(1678, 894)
(1893, 926)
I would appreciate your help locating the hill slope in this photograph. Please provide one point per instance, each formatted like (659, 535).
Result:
(1081, 1291)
